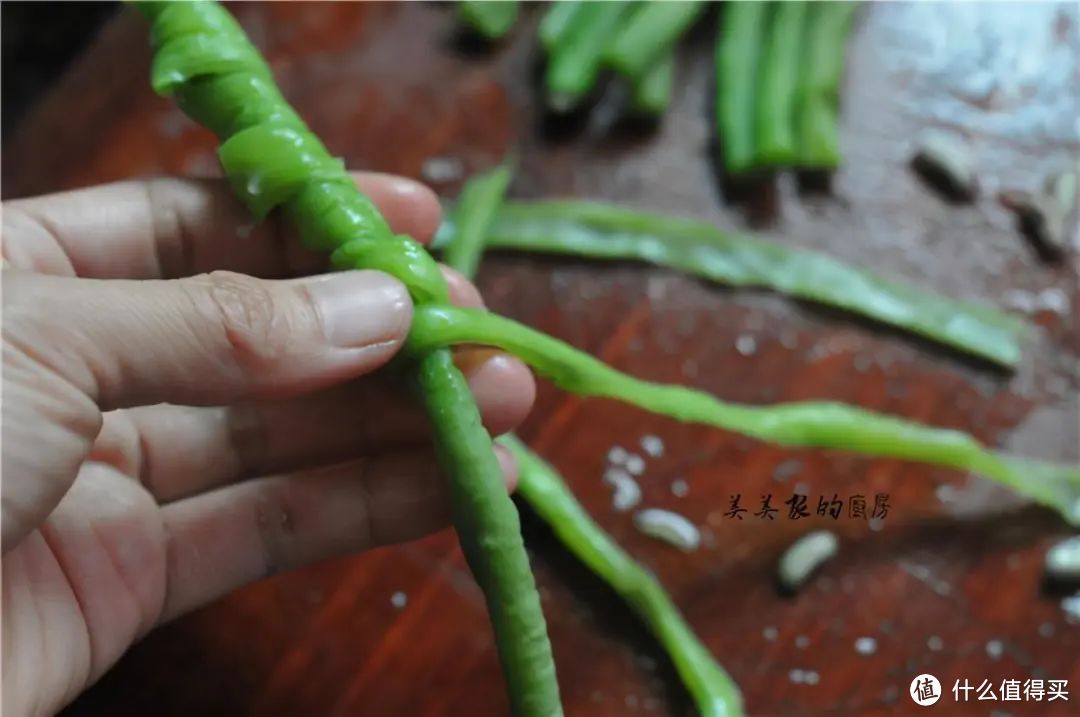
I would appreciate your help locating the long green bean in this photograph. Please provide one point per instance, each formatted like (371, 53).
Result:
(607, 231)
(650, 33)
(272, 160)
(490, 18)
(559, 16)
(738, 52)
(713, 690)
(475, 208)
(541, 486)
(817, 424)
(574, 61)
(818, 142)
(652, 91)
(781, 64)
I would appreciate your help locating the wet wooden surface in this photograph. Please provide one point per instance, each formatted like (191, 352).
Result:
(948, 583)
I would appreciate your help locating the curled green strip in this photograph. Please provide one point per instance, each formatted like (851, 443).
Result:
(815, 424)
(713, 690)
(273, 160)
(649, 33)
(607, 231)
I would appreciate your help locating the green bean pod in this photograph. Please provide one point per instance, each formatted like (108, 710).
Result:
(818, 139)
(738, 54)
(650, 32)
(574, 61)
(560, 15)
(607, 231)
(811, 424)
(475, 208)
(781, 64)
(273, 161)
(713, 691)
(490, 18)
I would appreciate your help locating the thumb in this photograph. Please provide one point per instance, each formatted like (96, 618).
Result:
(208, 339)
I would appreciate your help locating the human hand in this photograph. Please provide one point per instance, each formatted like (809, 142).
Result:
(167, 440)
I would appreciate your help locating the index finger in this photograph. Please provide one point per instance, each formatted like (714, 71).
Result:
(167, 228)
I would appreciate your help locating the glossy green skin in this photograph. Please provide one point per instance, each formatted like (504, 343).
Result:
(272, 160)
(714, 692)
(712, 689)
(574, 59)
(781, 65)
(652, 92)
(818, 137)
(472, 215)
(811, 424)
(608, 231)
(651, 32)
(738, 54)
(490, 18)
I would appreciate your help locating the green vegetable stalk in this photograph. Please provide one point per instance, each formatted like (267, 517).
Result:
(608, 231)
(738, 52)
(650, 33)
(827, 25)
(560, 15)
(816, 424)
(490, 18)
(272, 160)
(781, 65)
(713, 690)
(574, 58)
(472, 215)
(541, 486)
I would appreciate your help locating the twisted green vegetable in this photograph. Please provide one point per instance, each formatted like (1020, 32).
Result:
(818, 142)
(816, 424)
(738, 53)
(272, 160)
(781, 65)
(649, 34)
(608, 231)
(713, 690)
(490, 18)
(574, 58)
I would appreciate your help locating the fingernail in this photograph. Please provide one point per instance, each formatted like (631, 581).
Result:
(361, 308)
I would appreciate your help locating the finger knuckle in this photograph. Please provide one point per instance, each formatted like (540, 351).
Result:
(253, 322)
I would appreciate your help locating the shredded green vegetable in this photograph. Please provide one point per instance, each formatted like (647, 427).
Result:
(713, 690)
(607, 231)
(816, 424)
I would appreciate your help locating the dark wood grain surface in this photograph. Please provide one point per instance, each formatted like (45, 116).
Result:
(949, 583)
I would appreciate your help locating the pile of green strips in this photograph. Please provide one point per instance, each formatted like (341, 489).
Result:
(778, 67)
